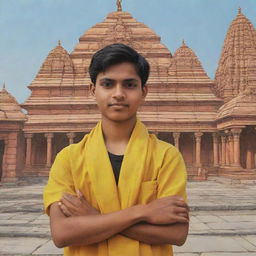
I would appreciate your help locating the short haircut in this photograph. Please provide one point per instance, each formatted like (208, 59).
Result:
(115, 54)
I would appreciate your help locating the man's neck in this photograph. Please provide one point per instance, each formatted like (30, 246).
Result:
(117, 134)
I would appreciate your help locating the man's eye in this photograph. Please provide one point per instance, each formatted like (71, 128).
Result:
(106, 84)
(131, 85)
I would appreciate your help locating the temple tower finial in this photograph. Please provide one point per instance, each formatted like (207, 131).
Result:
(4, 86)
(183, 42)
(119, 5)
(239, 10)
(59, 43)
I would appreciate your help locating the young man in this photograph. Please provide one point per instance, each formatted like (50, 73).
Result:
(120, 191)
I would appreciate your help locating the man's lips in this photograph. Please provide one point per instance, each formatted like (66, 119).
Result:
(118, 104)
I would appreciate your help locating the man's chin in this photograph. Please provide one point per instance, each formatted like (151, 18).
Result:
(120, 119)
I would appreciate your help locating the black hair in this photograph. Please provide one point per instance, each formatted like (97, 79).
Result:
(118, 53)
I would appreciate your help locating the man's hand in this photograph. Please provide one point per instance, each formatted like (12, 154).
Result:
(71, 205)
(167, 210)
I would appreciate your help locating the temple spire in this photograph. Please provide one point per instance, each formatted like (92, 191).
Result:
(59, 43)
(238, 53)
(183, 42)
(119, 5)
(4, 86)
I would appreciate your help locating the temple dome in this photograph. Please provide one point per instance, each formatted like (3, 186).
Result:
(121, 27)
(57, 61)
(186, 67)
(242, 105)
(57, 69)
(237, 65)
(10, 109)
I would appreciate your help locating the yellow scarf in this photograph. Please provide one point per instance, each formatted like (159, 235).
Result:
(111, 198)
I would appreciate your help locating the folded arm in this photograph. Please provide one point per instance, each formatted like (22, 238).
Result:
(89, 229)
(163, 221)
(174, 234)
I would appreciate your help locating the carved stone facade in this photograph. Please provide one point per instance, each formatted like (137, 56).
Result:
(211, 122)
(12, 142)
(237, 65)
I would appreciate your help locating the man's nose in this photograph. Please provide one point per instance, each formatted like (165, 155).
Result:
(118, 92)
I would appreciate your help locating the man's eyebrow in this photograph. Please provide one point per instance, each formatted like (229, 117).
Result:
(131, 80)
(107, 79)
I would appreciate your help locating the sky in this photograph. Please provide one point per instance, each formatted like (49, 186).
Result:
(30, 29)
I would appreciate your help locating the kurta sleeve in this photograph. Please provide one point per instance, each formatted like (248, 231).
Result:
(60, 179)
(172, 176)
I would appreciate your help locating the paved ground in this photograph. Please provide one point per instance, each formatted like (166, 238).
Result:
(223, 220)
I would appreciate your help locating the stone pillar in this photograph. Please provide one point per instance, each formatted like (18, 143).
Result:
(215, 149)
(176, 136)
(49, 137)
(231, 149)
(28, 137)
(71, 136)
(249, 156)
(3, 167)
(10, 158)
(254, 159)
(227, 158)
(236, 135)
(223, 150)
(219, 147)
(198, 136)
(255, 152)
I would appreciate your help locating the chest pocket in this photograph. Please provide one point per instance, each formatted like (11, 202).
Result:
(148, 192)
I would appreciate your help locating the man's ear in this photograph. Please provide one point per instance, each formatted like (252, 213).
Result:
(92, 89)
(144, 91)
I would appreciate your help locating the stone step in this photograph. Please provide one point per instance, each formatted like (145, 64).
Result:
(240, 177)
(38, 173)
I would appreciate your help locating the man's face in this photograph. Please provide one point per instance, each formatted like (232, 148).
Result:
(118, 92)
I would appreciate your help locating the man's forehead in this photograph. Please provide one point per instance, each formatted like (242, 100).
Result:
(124, 66)
(121, 71)
(106, 78)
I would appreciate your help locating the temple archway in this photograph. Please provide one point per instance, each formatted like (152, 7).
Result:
(39, 149)
(60, 141)
(207, 150)
(248, 147)
(186, 147)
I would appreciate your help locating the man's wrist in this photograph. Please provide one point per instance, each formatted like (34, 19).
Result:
(139, 212)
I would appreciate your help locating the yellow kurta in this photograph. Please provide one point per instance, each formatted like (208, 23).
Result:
(150, 169)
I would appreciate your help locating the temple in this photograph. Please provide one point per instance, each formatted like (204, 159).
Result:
(212, 122)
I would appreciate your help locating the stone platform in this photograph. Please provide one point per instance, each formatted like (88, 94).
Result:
(223, 220)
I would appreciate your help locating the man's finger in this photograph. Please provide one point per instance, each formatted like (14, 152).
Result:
(79, 193)
(184, 215)
(180, 210)
(82, 198)
(64, 209)
(72, 199)
(69, 196)
(181, 204)
(68, 204)
(181, 219)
